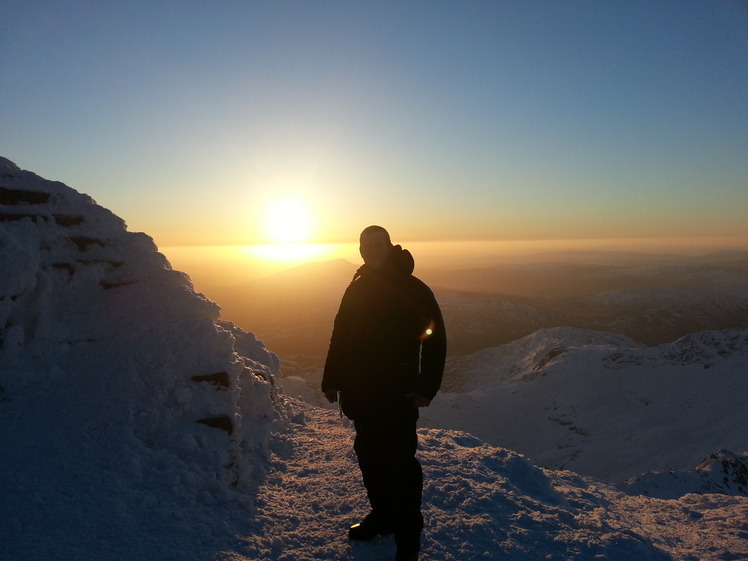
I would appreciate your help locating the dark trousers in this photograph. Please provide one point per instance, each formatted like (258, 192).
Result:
(386, 451)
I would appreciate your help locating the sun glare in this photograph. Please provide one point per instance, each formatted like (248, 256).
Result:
(288, 221)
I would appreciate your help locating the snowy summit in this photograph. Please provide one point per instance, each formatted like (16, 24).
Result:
(136, 425)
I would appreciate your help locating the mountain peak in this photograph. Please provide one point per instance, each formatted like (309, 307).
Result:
(6, 164)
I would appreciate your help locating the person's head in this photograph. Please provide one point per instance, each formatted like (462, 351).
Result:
(375, 246)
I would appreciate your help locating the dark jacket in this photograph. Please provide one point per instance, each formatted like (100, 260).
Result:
(388, 341)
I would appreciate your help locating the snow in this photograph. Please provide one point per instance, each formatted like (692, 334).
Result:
(481, 502)
(601, 404)
(136, 425)
(721, 472)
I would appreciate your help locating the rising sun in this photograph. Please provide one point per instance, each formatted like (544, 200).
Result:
(288, 221)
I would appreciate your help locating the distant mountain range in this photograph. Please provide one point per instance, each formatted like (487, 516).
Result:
(579, 274)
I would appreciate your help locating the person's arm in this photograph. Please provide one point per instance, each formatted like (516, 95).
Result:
(335, 353)
(420, 401)
(433, 353)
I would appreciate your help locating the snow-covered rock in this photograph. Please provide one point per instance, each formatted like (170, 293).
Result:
(103, 344)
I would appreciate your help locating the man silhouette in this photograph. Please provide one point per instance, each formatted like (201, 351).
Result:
(386, 359)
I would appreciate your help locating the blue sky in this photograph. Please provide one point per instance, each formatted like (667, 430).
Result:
(440, 120)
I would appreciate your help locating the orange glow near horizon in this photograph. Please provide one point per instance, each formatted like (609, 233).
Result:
(233, 265)
(289, 253)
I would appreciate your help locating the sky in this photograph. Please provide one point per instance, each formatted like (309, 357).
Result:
(248, 122)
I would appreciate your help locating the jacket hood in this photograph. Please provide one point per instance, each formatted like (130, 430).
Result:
(400, 262)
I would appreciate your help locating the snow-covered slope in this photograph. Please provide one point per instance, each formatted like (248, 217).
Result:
(721, 472)
(115, 373)
(601, 404)
(135, 425)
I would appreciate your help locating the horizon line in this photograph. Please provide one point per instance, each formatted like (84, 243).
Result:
(736, 241)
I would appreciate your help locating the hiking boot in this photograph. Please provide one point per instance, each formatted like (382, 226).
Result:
(408, 546)
(368, 529)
